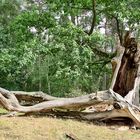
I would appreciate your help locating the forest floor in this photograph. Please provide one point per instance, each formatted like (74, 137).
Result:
(48, 128)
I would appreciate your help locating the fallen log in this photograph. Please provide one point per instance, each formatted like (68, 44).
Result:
(31, 98)
(78, 105)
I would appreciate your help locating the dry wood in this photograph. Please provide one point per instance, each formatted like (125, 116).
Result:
(9, 101)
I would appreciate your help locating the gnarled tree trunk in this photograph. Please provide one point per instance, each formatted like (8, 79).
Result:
(126, 74)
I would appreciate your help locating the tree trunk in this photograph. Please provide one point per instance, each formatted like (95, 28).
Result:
(126, 70)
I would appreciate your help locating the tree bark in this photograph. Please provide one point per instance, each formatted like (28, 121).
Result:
(83, 107)
(126, 70)
(94, 17)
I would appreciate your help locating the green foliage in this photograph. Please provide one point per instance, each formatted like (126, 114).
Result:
(59, 57)
(8, 9)
(66, 64)
(20, 27)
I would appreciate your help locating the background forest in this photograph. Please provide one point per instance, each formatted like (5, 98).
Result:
(62, 47)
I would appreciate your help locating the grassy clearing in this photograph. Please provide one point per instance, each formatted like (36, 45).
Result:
(46, 128)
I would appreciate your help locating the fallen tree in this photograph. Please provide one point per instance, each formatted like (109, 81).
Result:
(121, 100)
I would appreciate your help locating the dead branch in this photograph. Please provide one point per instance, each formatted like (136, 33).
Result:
(77, 104)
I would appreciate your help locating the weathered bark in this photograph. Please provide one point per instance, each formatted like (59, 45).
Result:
(78, 105)
(121, 99)
(126, 70)
(31, 98)
(94, 17)
(10, 102)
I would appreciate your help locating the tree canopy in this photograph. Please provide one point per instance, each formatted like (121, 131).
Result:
(62, 47)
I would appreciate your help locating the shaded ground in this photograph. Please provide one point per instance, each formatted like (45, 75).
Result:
(46, 128)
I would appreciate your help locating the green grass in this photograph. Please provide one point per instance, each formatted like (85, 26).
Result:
(3, 111)
(46, 128)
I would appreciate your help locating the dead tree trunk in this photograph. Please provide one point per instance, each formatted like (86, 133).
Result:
(126, 70)
(121, 100)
